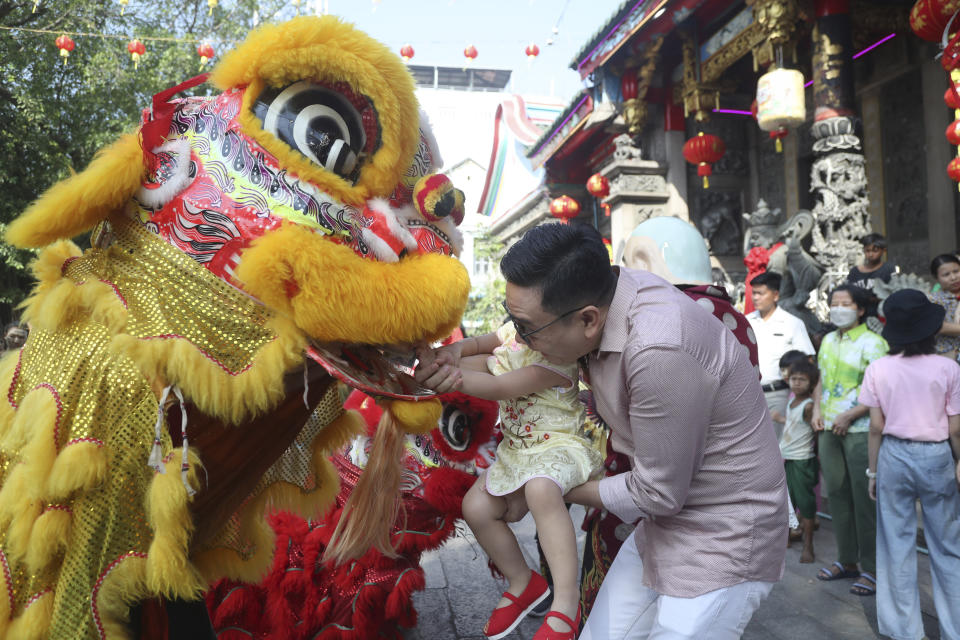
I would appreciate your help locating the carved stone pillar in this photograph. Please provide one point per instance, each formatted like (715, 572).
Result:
(837, 178)
(638, 191)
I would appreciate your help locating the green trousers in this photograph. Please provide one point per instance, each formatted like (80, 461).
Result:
(844, 461)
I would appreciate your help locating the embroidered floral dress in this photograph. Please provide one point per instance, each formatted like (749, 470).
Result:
(541, 431)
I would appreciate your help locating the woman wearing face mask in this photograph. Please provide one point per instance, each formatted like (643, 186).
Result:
(946, 269)
(844, 426)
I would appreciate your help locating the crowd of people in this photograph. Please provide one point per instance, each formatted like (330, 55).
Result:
(878, 416)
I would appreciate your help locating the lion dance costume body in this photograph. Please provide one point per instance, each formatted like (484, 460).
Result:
(371, 597)
(157, 412)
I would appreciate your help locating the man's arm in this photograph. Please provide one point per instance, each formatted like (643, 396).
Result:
(801, 339)
(669, 427)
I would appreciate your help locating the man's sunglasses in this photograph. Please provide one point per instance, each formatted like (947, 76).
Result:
(521, 328)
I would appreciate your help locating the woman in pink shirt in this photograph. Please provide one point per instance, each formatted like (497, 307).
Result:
(914, 400)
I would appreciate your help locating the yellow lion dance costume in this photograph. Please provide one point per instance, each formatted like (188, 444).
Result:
(230, 233)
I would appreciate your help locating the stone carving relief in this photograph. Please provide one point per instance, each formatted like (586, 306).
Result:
(625, 149)
(720, 228)
(638, 182)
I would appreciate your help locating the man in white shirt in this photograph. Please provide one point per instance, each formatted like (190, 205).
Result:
(777, 332)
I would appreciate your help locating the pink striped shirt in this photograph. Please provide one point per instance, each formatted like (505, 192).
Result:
(684, 403)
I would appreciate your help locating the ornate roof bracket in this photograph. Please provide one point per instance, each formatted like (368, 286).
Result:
(698, 97)
(777, 21)
(635, 109)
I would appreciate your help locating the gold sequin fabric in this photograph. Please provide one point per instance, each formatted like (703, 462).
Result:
(89, 382)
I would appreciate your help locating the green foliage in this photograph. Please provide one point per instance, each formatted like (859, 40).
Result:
(484, 312)
(56, 116)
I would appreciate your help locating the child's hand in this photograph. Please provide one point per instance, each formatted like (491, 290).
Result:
(777, 416)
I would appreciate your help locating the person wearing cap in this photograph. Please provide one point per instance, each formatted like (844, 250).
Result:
(914, 400)
(777, 332)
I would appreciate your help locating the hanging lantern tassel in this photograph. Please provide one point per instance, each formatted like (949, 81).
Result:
(211, 4)
(35, 4)
(778, 135)
(206, 53)
(705, 170)
(123, 5)
(606, 209)
(136, 49)
(66, 44)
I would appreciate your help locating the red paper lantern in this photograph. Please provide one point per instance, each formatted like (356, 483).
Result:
(953, 169)
(136, 49)
(406, 52)
(703, 150)
(206, 52)
(564, 208)
(66, 44)
(928, 18)
(532, 51)
(598, 186)
(951, 97)
(628, 84)
(470, 53)
(953, 133)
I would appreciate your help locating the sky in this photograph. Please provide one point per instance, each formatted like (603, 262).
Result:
(439, 30)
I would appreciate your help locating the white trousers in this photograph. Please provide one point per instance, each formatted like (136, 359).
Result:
(627, 610)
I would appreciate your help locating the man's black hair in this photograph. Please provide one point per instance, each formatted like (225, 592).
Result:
(808, 369)
(860, 296)
(940, 260)
(919, 348)
(792, 356)
(769, 279)
(874, 239)
(568, 263)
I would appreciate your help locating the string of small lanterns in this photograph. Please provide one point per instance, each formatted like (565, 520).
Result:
(136, 47)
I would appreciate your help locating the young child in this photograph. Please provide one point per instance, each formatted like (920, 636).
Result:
(541, 457)
(796, 446)
(787, 359)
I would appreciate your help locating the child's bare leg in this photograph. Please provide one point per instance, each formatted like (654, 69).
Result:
(559, 543)
(484, 513)
(475, 363)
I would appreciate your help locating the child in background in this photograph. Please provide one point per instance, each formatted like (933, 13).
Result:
(542, 456)
(787, 359)
(796, 446)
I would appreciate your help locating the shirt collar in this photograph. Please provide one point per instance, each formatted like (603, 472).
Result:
(854, 333)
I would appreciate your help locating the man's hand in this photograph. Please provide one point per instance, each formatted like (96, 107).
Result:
(841, 424)
(817, 420)
(958, 471)
(439, 369)
(872, 487)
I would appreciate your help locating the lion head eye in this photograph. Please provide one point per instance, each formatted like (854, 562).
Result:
(320, 122)
(455, 428)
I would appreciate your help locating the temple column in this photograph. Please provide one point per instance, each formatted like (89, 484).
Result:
(838, 178)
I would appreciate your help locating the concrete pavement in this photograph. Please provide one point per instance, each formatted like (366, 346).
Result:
(460, 593)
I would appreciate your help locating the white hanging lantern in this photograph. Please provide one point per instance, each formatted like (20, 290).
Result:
(780, 102)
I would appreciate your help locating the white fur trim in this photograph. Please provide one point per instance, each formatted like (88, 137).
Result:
(157, 197)
(453, 232)
(380, 249)
(390, 214)
(426, 130)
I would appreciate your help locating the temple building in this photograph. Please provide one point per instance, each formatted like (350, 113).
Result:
(761, 122)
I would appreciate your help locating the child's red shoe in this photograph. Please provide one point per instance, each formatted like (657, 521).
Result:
(546, 632)
(505, 619)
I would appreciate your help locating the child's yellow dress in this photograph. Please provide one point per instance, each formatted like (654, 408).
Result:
(541, 431)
